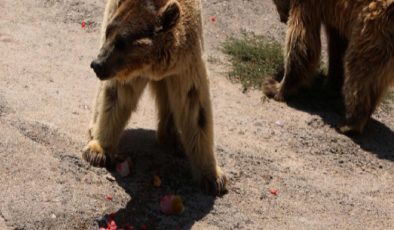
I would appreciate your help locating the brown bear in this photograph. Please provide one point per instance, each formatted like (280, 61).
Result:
(155, 42)
(361, 50)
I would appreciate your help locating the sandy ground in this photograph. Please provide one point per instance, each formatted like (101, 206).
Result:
(325, 180)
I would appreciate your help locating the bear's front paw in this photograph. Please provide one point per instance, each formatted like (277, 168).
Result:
(215, 184)
(94, 154)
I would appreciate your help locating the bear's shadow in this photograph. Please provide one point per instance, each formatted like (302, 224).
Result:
(150, 158)
(327, 103)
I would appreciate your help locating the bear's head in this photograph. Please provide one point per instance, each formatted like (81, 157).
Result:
(137, 34)
(283, 8)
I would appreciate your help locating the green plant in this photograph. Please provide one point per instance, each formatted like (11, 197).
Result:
(252, 58)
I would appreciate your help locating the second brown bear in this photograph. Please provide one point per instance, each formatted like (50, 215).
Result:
(361, 50)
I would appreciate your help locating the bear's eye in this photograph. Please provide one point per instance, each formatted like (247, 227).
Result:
(120, 43)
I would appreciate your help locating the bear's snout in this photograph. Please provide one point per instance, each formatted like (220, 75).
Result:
(99, 69)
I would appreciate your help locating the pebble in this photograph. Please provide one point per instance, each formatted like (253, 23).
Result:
(109, 177)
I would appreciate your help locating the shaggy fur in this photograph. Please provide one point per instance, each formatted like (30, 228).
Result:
(155, 42)
(361, 51)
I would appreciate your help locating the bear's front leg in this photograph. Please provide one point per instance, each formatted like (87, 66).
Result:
(114, 104)
(191, 106)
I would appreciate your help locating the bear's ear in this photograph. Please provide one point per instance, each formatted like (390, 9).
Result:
(169, 16)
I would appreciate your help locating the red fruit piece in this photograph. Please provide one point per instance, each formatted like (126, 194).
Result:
(171, 204)
(83, 24)
(274, 191)
(123, 168)
(109, 197)
(213, 19)
(112, 225)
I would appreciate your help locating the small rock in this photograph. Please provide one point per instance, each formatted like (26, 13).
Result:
(279, 123)
(258, 124)
(110, 177)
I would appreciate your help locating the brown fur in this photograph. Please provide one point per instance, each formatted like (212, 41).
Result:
(155, 42)
(361, 50)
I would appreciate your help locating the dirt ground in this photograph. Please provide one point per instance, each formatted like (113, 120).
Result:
(325, 180)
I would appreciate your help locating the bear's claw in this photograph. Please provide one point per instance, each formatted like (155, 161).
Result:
(94, 154)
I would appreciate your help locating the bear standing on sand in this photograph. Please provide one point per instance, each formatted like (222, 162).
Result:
(155, 42)
(361, 52)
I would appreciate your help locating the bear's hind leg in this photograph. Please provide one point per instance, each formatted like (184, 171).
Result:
(303, 47)
(368, 74)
